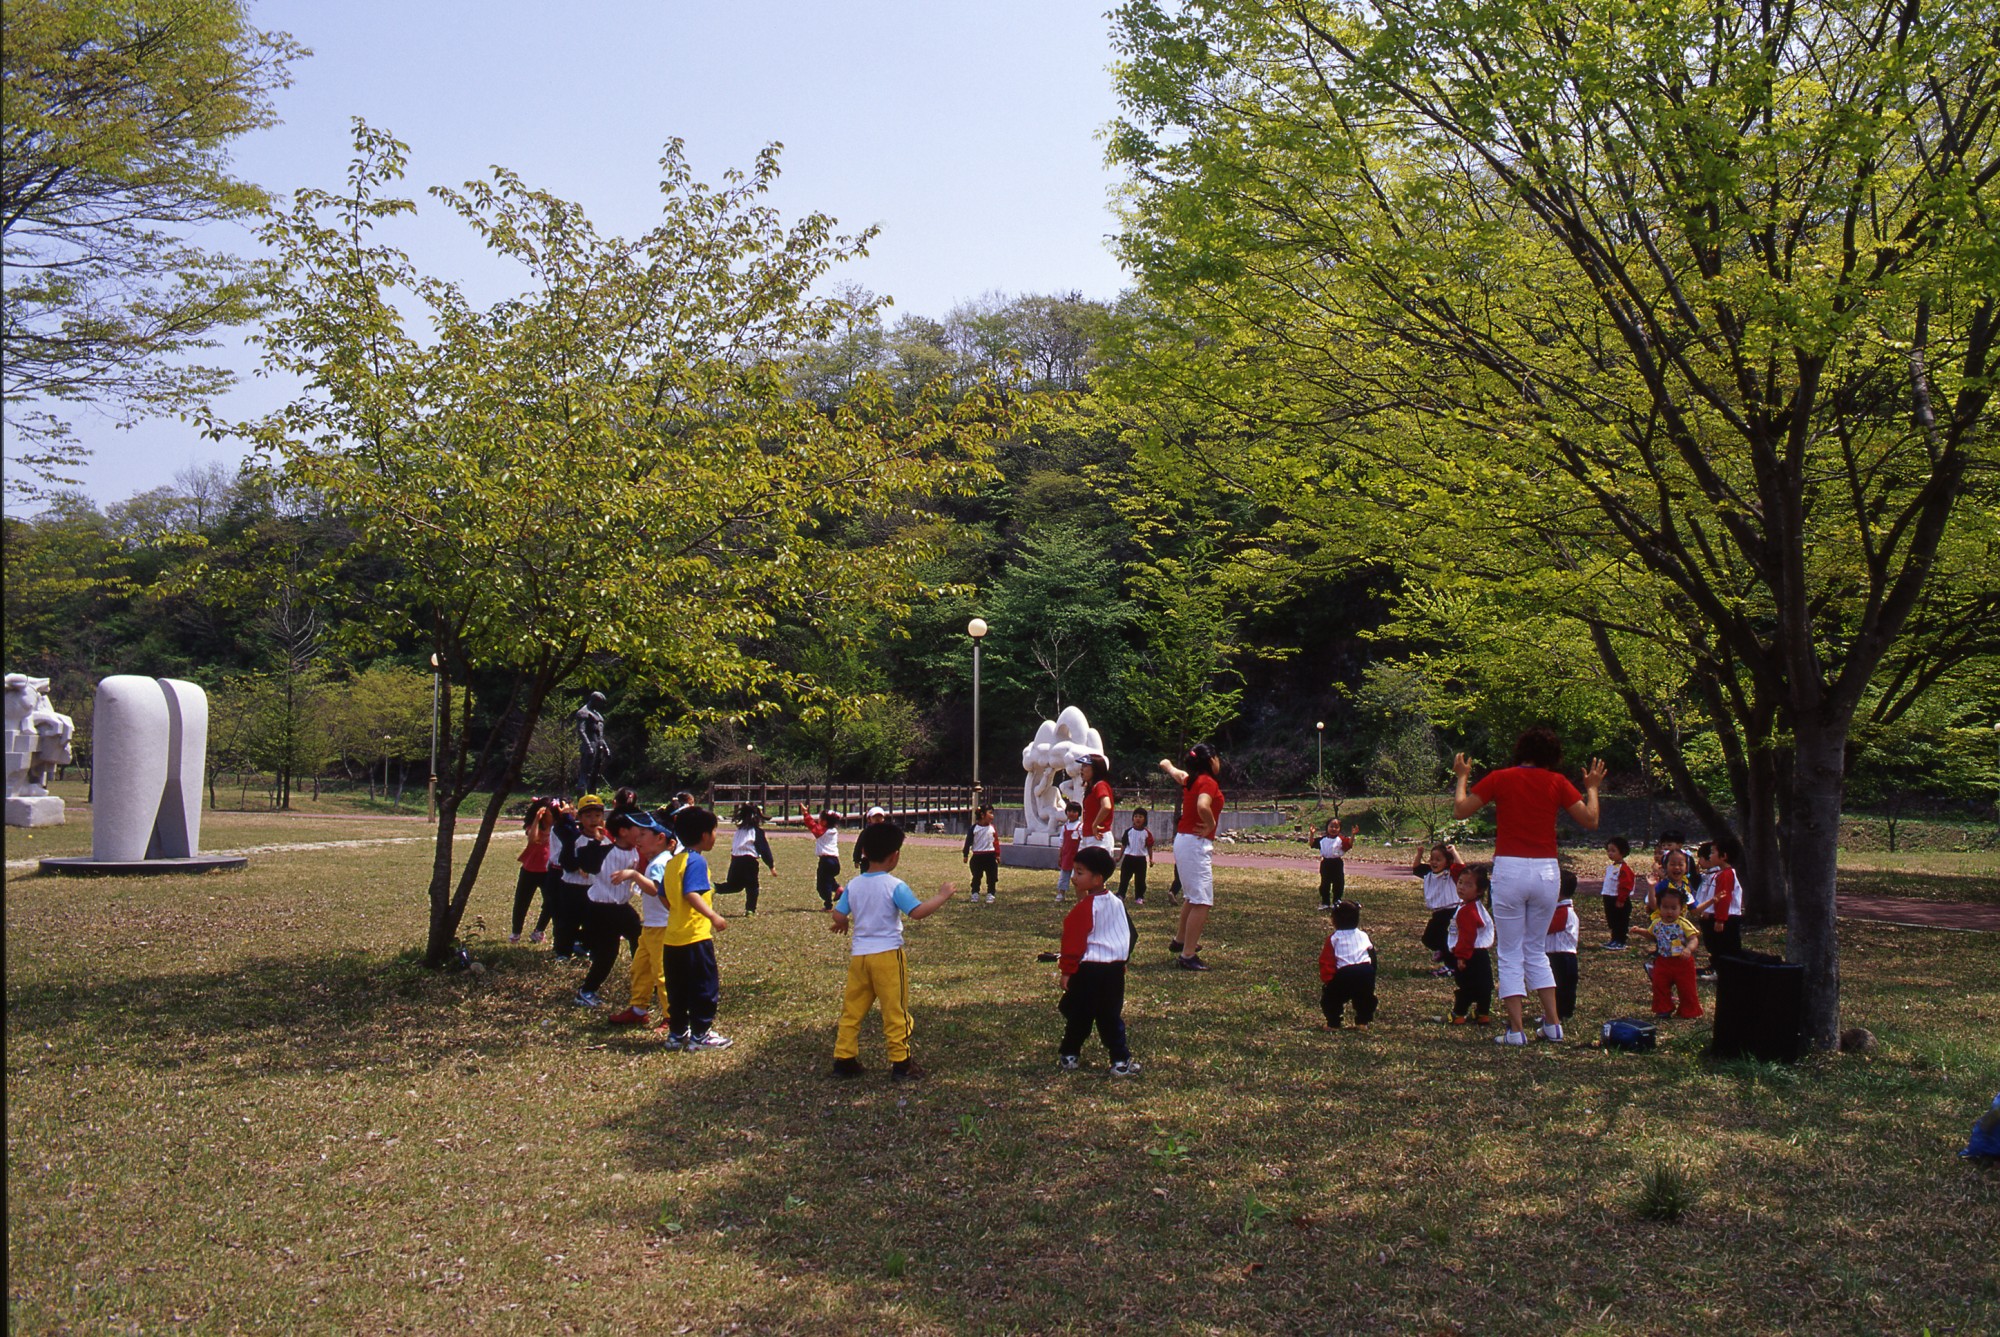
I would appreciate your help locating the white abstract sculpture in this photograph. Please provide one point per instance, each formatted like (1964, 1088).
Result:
(38, 738)
(149, 746)
(1059, 748)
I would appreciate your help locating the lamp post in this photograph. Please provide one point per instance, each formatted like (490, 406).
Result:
(1319, 785)
(976, 629)
(431, 793)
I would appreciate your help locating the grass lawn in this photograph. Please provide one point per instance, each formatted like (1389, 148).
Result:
(233, 1105)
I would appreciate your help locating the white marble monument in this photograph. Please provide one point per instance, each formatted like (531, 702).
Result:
(1052, 762)
(38, 738)
(149, 744)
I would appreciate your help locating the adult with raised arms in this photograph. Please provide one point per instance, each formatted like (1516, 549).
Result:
(1527, 797)
(1194, 846)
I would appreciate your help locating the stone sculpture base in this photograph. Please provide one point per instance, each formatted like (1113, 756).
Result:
(1027, 856)
(200, 863)
(47, 810)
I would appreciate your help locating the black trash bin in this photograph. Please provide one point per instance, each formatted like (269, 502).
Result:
(1760, 1008)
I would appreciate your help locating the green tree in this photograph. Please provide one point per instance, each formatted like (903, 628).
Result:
(115, 143)
(1181, 687)
(1673, 317)
(1057, 628)
(606, 477)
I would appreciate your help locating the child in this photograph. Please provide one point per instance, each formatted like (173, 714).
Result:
(694, 986)
(1673, 963)
(1619, 880)
(826, 844)
(1072, 840)
(654, 845)
(1562, 948)
(534, 875)
(875, 816)
(1333, 848)
(579, 843)
(1675, 864)
(1440, 874)
(1138, 856)
(1469, 941)
(1347, 969)
(746, 847)
(608, 915)
(1719, 907)
(871, 906)
(1096, 944)
(982, 851)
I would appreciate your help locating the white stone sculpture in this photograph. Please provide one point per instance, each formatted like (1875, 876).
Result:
(149, 745)
(1052, 762)
(38, 738)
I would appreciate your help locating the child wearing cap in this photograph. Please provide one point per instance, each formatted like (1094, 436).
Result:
(875, 817)
(652, 842)
(687, 941)
(871, 909)
(1096, 944)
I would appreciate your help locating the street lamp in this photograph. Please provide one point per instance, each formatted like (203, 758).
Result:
(976, 629)
(431, 795)
(1320, 784)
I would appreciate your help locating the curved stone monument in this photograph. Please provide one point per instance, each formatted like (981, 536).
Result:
(1051, 763)
(38, 737)
(149, 748)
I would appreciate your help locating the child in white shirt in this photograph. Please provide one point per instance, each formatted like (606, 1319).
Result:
(1562, 947)
(1347, 969)
(1333, 848)
(982, 852)
(1138, 856)
(871, 908)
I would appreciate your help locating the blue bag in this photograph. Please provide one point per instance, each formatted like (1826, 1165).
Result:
(1985, 1142)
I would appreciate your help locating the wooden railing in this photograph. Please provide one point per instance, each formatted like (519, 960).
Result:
(903, 802)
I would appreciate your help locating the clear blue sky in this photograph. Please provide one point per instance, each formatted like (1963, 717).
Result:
(968, 132)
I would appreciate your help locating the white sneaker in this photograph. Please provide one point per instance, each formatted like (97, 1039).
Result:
(707, 1040)
(513, 937)
(1067, 1062)
(1552, 1031)
(535, 936)
(1507, 1037)
(1129, 1068)
(586, 999)
(989, 898)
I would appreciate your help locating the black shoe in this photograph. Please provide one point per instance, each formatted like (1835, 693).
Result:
(1193, 962)
(847, 1067)
(1175, 946)
(906, 1071)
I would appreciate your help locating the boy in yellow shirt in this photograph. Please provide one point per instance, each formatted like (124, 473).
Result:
(687, 939)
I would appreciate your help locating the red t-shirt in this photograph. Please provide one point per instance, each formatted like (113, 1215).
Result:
(1099, 791)
(1191, 821)
(535, 858)
(1527, 799)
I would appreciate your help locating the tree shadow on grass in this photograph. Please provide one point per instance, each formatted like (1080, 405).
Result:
(1969, 888)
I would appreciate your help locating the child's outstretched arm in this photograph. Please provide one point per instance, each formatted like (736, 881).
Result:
(946, 890)
(699, 904)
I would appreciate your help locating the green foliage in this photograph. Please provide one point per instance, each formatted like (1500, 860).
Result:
(609, 469)
(119, 117)
(1057, 627)
(1182, 687)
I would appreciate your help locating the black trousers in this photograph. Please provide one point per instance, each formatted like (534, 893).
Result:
(1475, 984)
(1727, 942)
(829, 879)
(1617, 918)
(568, 917)
(1437, 930)
(1130, 868)
(1350, 984)
(1564, 966)
(603, 925)
(694, 987)
(525, 887)
(986, 863)
(742, 877)
(1332, 878)
(1095, 997)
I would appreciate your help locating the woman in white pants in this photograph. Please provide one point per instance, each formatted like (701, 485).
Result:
(1527, 879)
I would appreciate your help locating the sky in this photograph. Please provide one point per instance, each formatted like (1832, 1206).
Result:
(970, 133)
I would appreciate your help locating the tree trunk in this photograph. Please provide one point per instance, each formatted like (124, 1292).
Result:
(1813, 850)
(1765, 873)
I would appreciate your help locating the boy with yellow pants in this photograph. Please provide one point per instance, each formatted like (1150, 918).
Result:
(871, 909)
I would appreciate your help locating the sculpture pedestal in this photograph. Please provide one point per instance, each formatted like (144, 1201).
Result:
(46, 810)
(200, 863)
(1030, 850)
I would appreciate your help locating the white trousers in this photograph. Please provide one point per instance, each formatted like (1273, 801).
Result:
(1525, 892)
(1194, 861)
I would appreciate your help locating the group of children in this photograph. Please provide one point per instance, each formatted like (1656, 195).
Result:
(587, 864)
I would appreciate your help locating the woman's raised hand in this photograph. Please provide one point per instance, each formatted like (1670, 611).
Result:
(1593, 774)
(1461, 766)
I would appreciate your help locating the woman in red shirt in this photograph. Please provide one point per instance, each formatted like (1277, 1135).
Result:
(1099, 802)
(1527, 796)
(1194, 844)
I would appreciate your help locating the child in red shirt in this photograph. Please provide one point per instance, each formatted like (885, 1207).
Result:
(1468, 946)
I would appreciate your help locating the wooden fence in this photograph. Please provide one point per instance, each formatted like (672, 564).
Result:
(905, 803)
